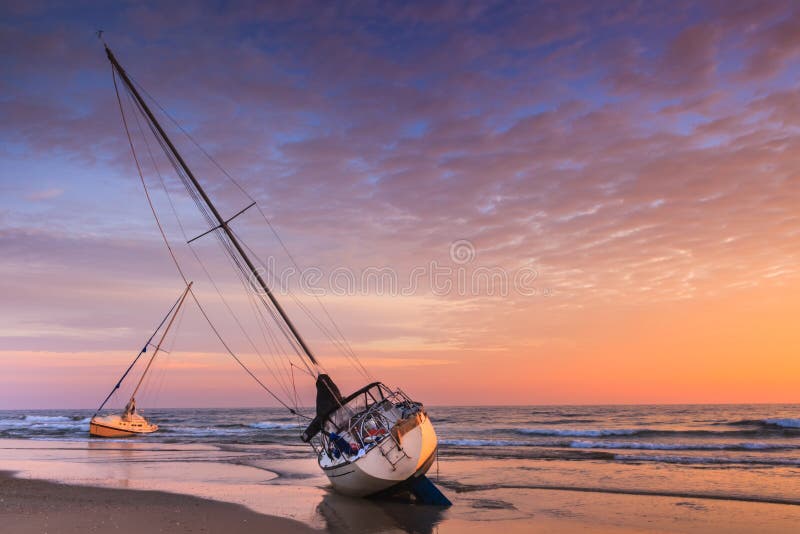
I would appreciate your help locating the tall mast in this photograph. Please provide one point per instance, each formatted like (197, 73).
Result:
(223, 224)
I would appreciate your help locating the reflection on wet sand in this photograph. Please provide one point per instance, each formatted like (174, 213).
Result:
(361, 516)
(124, 454)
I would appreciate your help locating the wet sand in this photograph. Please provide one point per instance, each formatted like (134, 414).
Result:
(37, 506)
(125, 487)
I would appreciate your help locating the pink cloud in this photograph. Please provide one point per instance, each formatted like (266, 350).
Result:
(45, 194)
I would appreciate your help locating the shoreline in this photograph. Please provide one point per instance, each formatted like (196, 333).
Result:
(35, 506)
(75, 487)
(460, 488)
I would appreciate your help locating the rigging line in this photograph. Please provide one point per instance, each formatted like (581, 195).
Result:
(141, 177)
(245, 273)
(294, 388)
(280, 324)
(264, 324)
(308, 312)
(263, 215)
(303, 370)
(161, 341)
(341, 339)
(296, 266)
(219, 234)
(214, 211)
(287, 291)
(163, 234)
(278, 367)
(247, 370)
(292, 366)
(225, 244)
(208, 318)
(156, 167)
(316, 297)
(240, 269)
(223, 238)
(283, 385)
(338, 343)
(158, 379)
(274, 372)
(260, 296)
(265, 330)
(296, 299)
(178, 170)
(192, 139)
(128, 370)
(175, 261)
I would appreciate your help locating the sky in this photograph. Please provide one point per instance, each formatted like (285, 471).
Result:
(498, 203)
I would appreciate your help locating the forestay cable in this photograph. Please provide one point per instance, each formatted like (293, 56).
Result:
(341, 342)
(175, 260)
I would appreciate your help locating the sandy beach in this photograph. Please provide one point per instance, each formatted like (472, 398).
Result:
(36, 506)
(69, 486)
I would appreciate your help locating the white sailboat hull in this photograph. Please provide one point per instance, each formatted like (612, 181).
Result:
(383, 468)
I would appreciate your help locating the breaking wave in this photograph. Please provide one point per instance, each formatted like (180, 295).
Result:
(633, 445)
(765, 427)
(783, 423)
(561, 421)
(681, 446)
(269, 425)
(46, 418)
(770, 423)
(578, 433)
(708, 460)
(483, 443)
(44, 421)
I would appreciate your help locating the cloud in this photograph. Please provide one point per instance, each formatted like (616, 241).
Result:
(634, 155)
(45, 194)
(387, 363)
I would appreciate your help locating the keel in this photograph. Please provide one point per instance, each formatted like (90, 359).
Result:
(426, 492)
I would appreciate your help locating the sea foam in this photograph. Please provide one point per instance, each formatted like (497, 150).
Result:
(47, 419)
(578, 433)
(480, 443)
(783, 423)
(580, 444)
(714, 460)
(269, 425)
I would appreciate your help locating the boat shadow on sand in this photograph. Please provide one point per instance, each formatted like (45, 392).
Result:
(358, 515)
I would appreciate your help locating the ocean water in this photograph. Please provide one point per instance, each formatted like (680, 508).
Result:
(491, 459)
(736, 435)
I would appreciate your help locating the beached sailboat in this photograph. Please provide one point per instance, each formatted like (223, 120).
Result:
(131, 422)
(374, 440)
